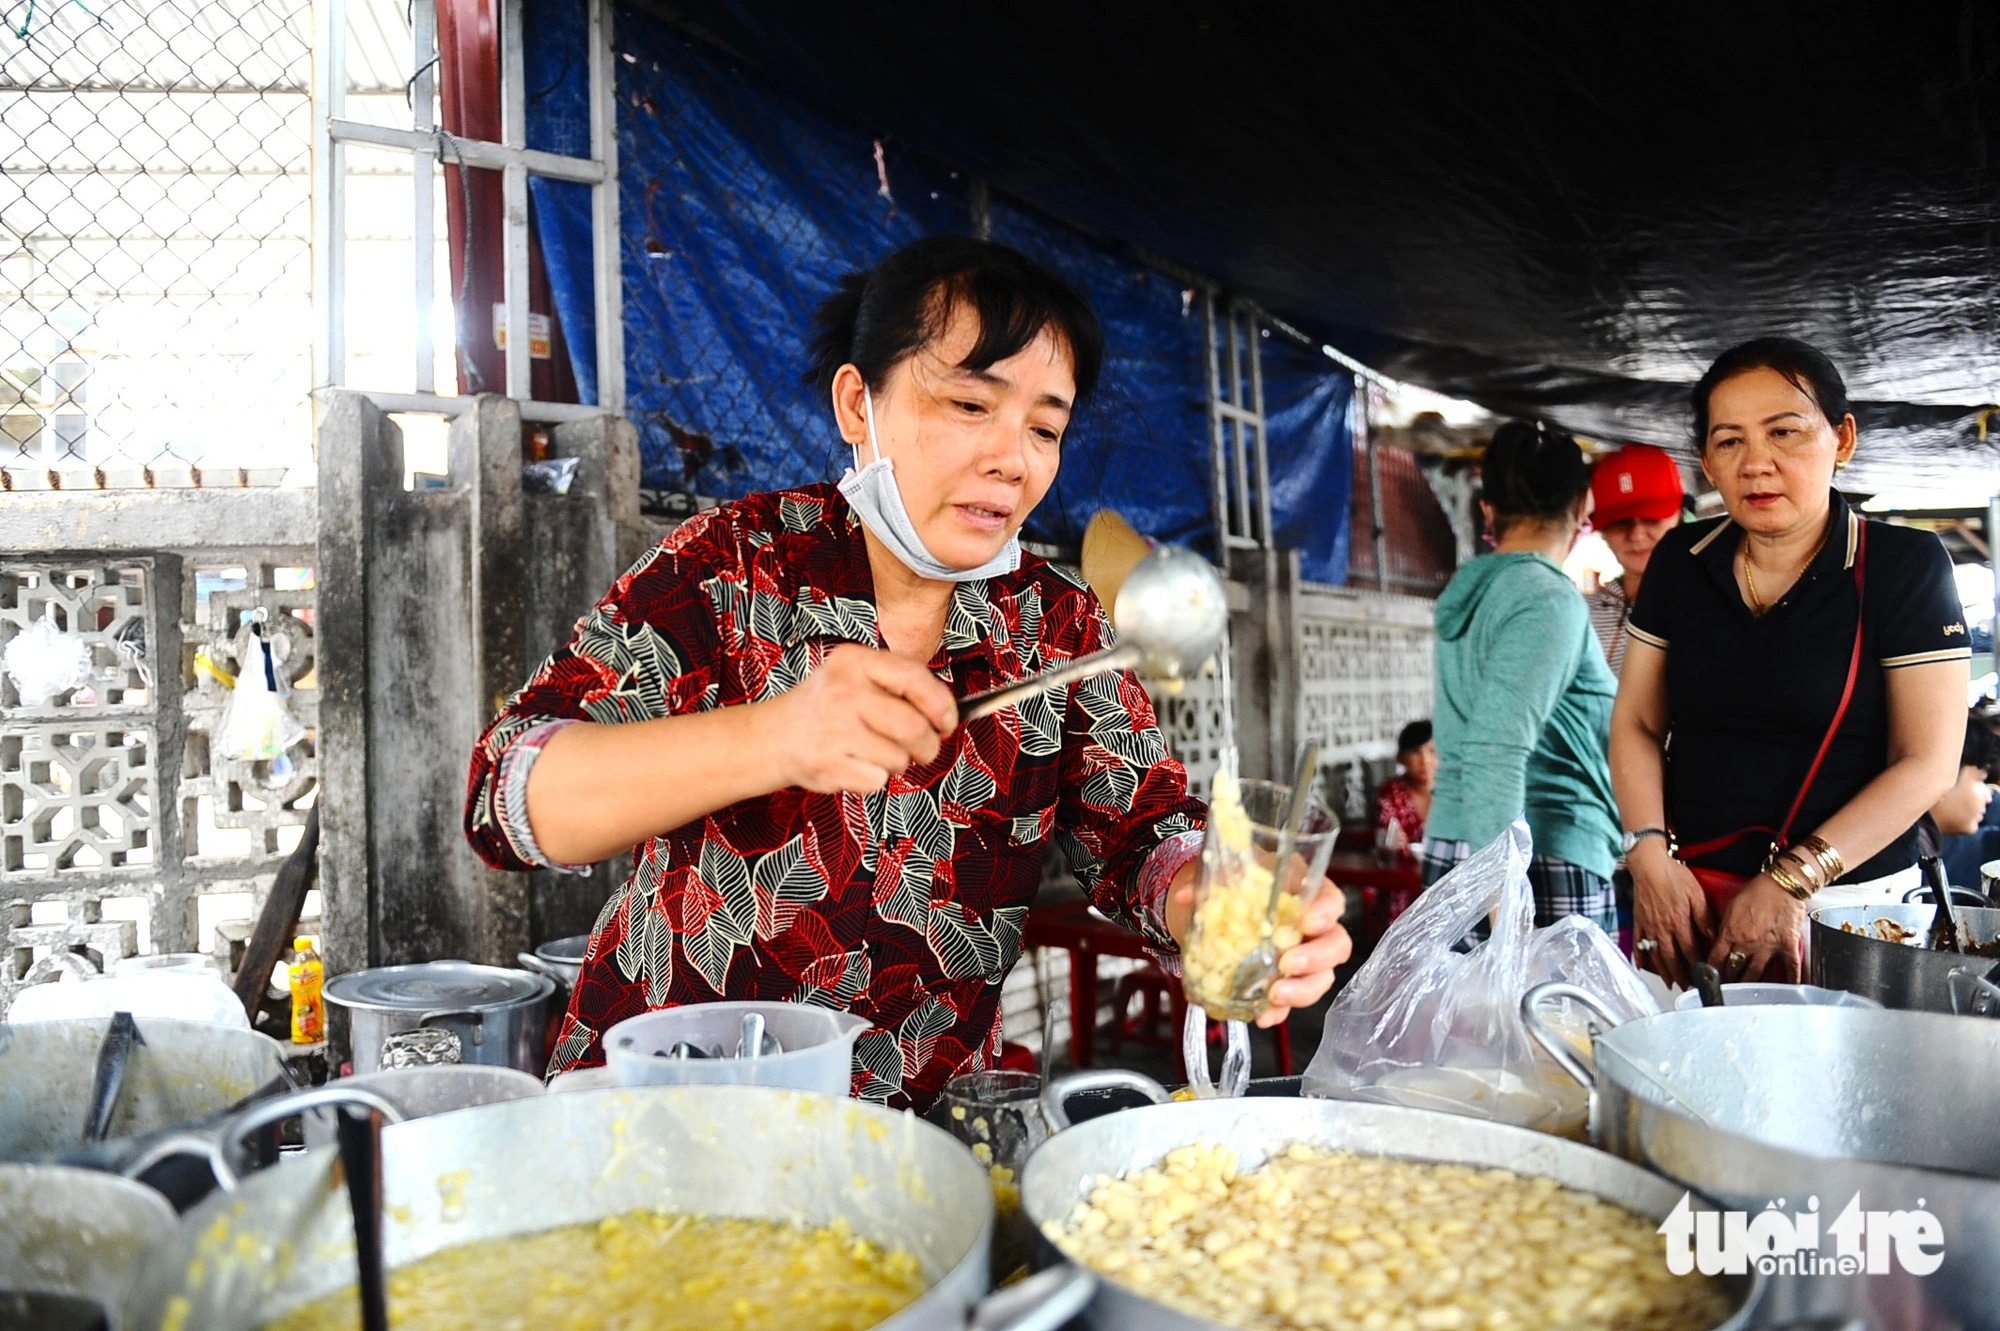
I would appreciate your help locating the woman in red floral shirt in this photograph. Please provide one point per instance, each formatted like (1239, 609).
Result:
(1404, 801)
(765, 705)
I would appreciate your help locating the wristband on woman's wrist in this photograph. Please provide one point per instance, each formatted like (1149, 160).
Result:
(1823, 856)
(1781, 873)
(1632, 839)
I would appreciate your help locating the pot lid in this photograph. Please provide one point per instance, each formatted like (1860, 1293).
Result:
(568, 951)
(435, 985)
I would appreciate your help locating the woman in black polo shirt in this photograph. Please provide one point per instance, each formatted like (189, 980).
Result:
(1793, 695)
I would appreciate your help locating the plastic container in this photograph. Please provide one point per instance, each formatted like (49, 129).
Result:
(166, 963)
(173, 995)
(818, 1047)
(583, 1079)
(1777, 995)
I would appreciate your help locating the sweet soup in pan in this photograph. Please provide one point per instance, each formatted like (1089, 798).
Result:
(643, 1269)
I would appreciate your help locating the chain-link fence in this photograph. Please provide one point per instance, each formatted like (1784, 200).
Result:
(155, 231)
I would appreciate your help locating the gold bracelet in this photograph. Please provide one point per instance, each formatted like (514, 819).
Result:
(1784, 878)
(1810, 870)
(1829, 859)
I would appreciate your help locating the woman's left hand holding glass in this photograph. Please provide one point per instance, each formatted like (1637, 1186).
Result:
(1305, 969)
(1765, 925)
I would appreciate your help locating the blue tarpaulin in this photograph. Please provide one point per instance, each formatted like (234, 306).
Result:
(742, 206)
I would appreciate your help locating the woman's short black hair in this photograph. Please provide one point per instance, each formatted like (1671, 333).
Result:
(1532, 470)
(880, 317)
(1804, 366)
(1413, 736)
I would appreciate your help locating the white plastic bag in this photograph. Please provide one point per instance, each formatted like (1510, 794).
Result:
(1427, 1026)
(45, 663)
(256, 725)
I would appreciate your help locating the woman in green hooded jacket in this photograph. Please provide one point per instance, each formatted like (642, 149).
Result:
(1523, 715)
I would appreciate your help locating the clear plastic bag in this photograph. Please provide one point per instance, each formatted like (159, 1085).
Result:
(44, 662)
(256, 725)
(1426, 1025)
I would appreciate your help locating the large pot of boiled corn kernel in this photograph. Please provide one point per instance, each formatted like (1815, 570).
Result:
(662, 1206)
(1307, 1213)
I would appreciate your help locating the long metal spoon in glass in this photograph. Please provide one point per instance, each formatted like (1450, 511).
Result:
(1171, 616)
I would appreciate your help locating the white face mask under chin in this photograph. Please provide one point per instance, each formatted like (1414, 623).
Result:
(876, 499)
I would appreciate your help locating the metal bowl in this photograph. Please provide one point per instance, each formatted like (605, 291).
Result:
(285, 1237)
(1753, 1104)
(1064, 1169)
(1899, 975)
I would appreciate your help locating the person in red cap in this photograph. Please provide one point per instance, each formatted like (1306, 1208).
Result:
(1635, 500)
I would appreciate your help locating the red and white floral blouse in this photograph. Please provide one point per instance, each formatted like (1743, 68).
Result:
(1396, 802)
(905, 906)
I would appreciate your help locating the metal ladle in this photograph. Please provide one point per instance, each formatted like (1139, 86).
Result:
(1171, 616)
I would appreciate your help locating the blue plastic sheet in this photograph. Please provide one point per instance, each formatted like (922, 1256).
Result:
(1308, 419)
(741, 207)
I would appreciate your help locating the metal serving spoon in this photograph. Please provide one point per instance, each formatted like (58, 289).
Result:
(1944, 923)
(756, 1041)
(1171, 615)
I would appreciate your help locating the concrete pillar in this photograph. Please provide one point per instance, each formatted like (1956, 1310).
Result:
(422, 626)
(360, 451)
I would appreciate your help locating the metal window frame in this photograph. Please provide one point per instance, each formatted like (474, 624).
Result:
(1239, 457)
(516, 162)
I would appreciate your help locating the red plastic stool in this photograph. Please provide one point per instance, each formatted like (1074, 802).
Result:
(1161, 998)
(1017, 1058)
(1162, 1009)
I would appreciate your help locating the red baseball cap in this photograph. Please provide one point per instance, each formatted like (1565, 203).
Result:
(1638, 481)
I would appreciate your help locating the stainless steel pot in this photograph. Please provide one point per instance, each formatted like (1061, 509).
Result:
(561, 960)
(183, 1070)
(1898, 975)
(285, 1237)
(183, 1073)
(500, 1016)
(1749, 1105)
(1064, 1169)
(72, 1234)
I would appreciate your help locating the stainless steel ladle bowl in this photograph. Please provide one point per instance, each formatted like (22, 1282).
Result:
(1171, 614)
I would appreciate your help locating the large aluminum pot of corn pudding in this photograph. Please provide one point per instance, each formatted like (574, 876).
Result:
(1268, 1212)
(659, 1206)
(1822, 1105)
(69, 1241)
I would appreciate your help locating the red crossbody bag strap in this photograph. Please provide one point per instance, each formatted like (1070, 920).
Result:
(1780, 836)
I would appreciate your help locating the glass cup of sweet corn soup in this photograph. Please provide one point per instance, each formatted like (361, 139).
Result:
(1234, 911)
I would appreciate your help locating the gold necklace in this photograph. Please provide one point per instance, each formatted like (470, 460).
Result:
(1757, 607)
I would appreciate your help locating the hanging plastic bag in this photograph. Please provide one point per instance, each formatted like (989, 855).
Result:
(1426, 1025)
(45, 663)
(256, 725)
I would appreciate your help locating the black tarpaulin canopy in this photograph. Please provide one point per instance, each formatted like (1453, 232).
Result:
(1558, 210)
